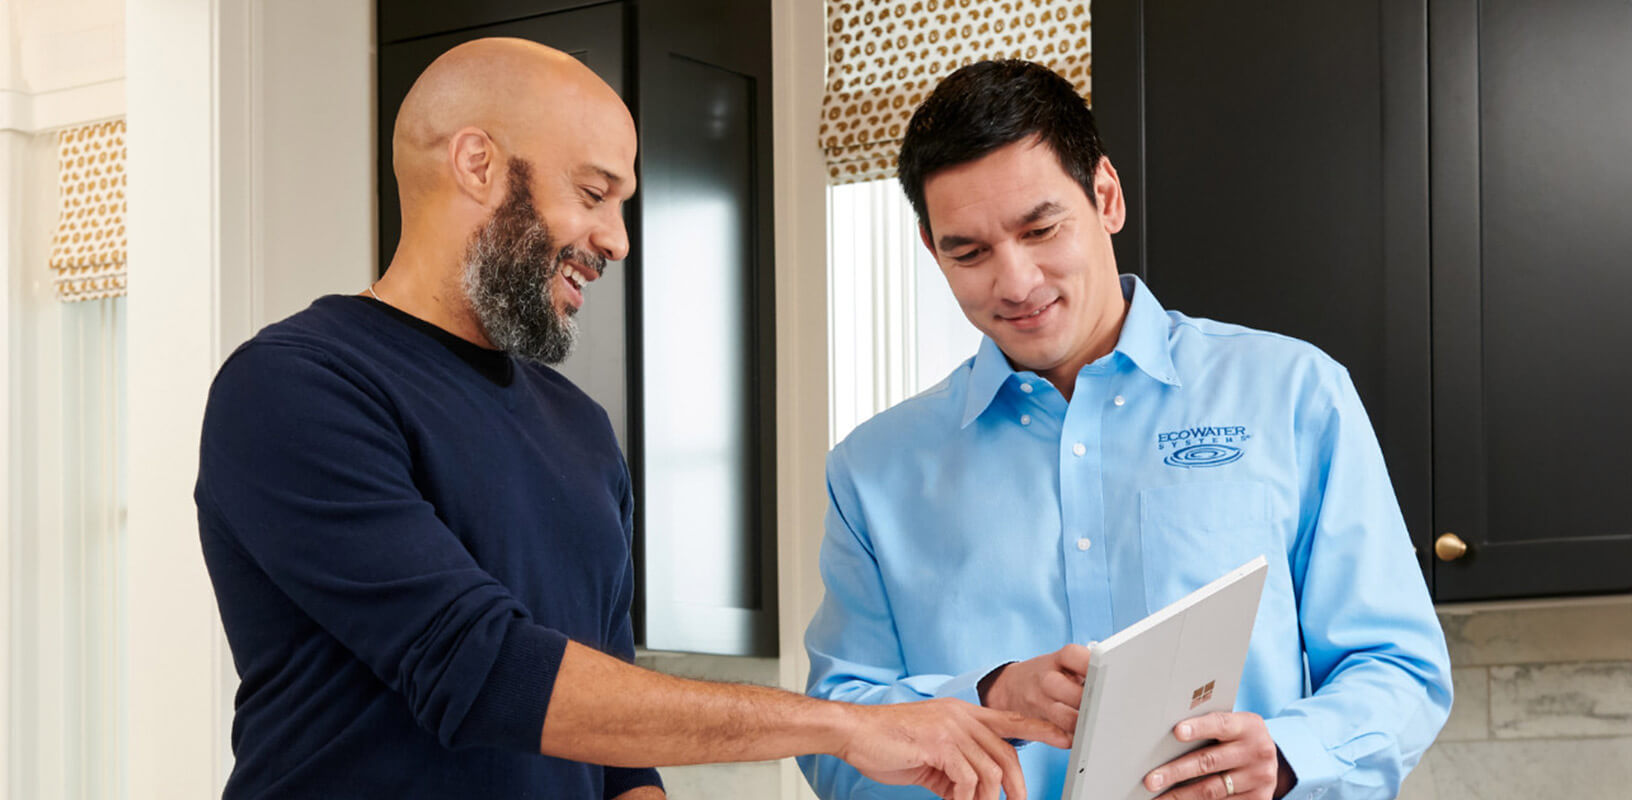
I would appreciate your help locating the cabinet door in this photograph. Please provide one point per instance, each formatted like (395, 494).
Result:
(1532, 123)
(706, 463)
(1274, 159)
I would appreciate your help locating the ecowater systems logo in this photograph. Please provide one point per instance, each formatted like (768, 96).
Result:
(1203, 445)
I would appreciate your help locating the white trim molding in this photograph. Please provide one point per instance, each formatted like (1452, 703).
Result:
(799, 48)
(170, 700)
(61, 108)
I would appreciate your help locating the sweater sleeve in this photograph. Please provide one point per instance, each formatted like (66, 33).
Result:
(306, 469)
(621, 643)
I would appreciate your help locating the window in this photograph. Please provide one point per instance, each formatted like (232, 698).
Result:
(894, 328)
(65, 506)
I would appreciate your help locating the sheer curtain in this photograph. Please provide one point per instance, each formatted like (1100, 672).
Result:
(64, 510)
(894, 328)
(66, 530)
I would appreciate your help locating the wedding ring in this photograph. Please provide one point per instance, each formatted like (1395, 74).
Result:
(1229, 785)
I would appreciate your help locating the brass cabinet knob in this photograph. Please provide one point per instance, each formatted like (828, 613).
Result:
(1450, 547)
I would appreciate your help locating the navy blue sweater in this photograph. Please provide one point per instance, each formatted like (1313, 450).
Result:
(403, 531)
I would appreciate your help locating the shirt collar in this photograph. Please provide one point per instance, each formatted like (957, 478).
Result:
(1143, 340)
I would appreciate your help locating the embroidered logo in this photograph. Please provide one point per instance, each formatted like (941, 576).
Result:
(1203, 445)
(1201, 695)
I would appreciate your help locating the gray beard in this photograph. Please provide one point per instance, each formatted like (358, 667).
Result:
(509, 272)
(514, 301)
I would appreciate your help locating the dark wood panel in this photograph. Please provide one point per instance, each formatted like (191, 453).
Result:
(1407, 399)
(1537, 568)
(1533, 346)
(1262, 171)
(703, 93)
(401, 20)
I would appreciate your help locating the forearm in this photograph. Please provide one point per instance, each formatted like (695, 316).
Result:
(605, 711)
(642, 793)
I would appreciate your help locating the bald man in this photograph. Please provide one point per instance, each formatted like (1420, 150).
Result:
(419, 533)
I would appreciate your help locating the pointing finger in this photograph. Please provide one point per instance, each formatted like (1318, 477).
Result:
(1013, 779)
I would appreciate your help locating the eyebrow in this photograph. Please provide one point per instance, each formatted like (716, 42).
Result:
(1047, 208)
(611, 177)
(615, 182)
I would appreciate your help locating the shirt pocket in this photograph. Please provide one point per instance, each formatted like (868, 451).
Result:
(1190, 534)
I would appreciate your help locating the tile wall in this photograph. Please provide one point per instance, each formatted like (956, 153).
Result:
(1543, 705)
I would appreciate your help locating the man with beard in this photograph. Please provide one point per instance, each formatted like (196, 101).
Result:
(419, 533)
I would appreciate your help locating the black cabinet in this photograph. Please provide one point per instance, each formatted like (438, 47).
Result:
(1532, 274)
(1431, 193)
(678, 342)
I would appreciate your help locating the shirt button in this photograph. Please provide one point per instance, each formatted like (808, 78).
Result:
(1079, 448)
(1084, 543)
(1120, 401)
(1025, 387)
(1025, 419)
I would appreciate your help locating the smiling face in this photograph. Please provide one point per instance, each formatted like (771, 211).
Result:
(522, 288)
(557, 225)
(1028, 256)
(583, 171)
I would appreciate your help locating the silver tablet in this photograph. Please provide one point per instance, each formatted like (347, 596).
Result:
(1182, 661)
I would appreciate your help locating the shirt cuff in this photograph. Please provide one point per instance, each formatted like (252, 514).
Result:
(966, 687)
(1315, 769)
(509, 710)
(622, 779)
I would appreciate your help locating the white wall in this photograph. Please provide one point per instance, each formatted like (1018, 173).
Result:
(10, 202)
(66, 63)
(251, 130)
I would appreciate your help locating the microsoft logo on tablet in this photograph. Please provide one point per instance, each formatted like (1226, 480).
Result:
(1201, 695)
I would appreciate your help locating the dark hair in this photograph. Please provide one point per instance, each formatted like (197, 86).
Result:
(987, 105)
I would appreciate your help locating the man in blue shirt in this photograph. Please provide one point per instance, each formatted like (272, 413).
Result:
(1098, 458)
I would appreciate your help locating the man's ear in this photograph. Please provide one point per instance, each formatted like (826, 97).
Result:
(473, 157)
(1113, 207)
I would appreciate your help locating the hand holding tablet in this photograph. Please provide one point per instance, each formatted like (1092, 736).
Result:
(1241, 760)
(1175, 665)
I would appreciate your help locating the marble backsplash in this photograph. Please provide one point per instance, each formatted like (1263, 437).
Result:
(1543, 704)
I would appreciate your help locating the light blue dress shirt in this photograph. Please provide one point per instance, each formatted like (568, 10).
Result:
(987, 520)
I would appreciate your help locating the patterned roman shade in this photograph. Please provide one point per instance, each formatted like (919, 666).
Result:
(885, 56)
(88, 250)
